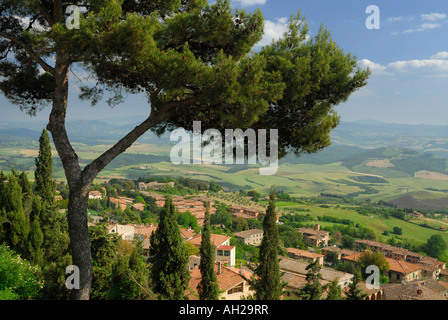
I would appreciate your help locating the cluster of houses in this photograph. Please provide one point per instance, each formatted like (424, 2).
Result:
(411, 275)
(194, 205)
(233, 280)
(408, 270)
(154, 185)
(404, 265)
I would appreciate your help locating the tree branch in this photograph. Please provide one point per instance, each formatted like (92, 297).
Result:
(46, 15)
(90, 171)
(29, 51)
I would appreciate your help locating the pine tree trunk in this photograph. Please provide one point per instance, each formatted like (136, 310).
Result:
(79, 241)
(78, 185)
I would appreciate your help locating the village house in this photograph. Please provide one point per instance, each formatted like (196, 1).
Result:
(431, 267)
(298, 270)
(231, 281)
(248, 213)
(340, 252)
(118, 203)
(196, 206)
(315, 237)
(126, 232)
(95, 194)
(154, 185)
(138, 206)
(223, 250)
(251, 237)
(402, 271)
(351, 259)
(305, 255)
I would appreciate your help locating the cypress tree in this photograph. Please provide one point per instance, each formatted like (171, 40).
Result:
(208, 288)
(35, 240)
(15, 226)
(169, 256)
(267, 281)
(27, 193)
(45, 185)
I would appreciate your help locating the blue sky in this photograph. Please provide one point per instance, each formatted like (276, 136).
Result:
(408, 57)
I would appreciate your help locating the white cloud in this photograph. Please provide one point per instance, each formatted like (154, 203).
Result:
(429, 23)
(423, 27)
(433, 16)
(248, 3)
(440, 55)
(394, 19)
(434, 67)
(375, 68)
(431, 65)
(273, 30)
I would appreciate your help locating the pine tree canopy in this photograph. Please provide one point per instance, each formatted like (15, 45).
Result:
(194, 61)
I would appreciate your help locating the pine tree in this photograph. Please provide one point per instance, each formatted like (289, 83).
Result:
(291, 84)
(267, 281)
(208, 288)
(313, 288)
(169, 256)
(45, 185)
(353, 292)
(334, 291)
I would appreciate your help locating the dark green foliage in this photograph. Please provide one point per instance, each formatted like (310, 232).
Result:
(313, 289)
(267, 281)
(354, 292)
(14, 225)
(104, 254)
(168, 256)
(334, 291)
(45, 185)
(222, 216)
(435, 246)
(130, 276)
(208, 288)
(18, 279)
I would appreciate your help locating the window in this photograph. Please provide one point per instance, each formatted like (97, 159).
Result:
(227, 253)
(219, 252)
(237, 289)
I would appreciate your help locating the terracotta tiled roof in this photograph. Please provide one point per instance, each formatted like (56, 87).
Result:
(248, 233)
(299, 267)
(145, 231)
(216, 239)
(229, 278)
(294, 281)
(402, 266)
(417, 290)
(304, 253)
(187, 233)
(225, 247)
(353, 257)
